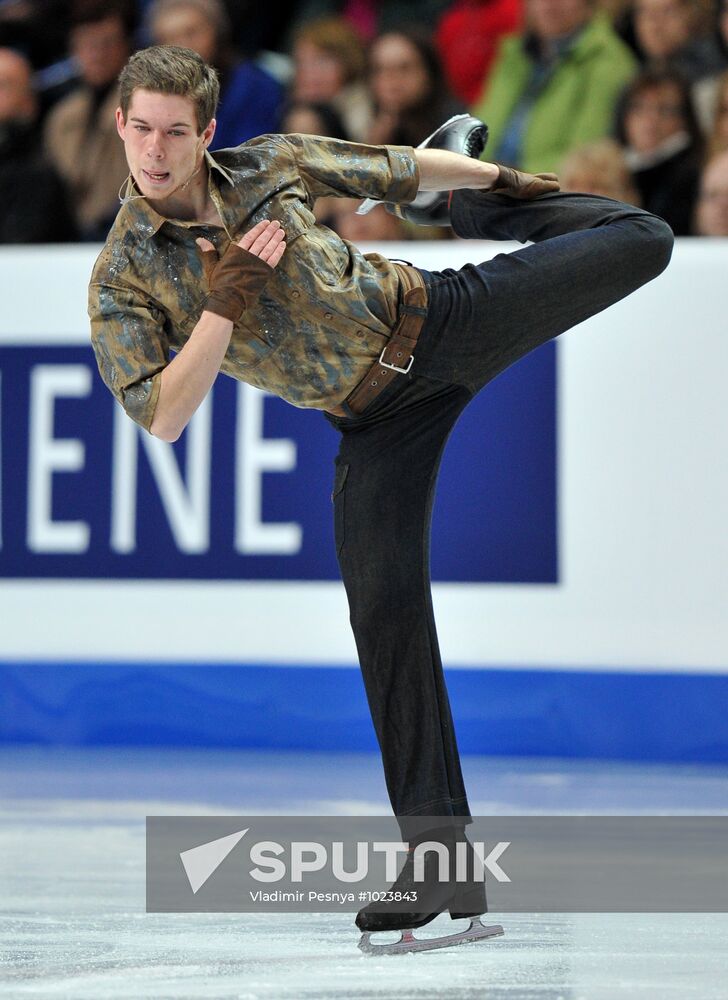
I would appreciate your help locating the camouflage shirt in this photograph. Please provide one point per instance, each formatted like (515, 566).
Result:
(321, 320)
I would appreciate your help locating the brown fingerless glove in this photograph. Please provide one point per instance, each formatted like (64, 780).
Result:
(517, 184)
(235, 280)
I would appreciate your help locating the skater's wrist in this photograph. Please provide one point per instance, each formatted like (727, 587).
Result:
(491, 173)
(442, 170)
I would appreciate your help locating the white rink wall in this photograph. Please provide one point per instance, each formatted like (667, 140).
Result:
(642, 499)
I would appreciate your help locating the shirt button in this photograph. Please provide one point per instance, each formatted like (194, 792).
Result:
(295, 294)
(328, 315)
(360, 333)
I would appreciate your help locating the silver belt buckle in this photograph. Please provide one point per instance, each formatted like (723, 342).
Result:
(395, 368)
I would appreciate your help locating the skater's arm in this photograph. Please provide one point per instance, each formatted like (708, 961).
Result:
(188, 378)
(234, 281)
(442, 170)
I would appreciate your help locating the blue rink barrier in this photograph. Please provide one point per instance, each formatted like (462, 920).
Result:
(612, 715)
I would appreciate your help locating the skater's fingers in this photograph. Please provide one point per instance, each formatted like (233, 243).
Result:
(248, 240)
(271, 236)
(276, 254)
(204, 244)
(269, 247)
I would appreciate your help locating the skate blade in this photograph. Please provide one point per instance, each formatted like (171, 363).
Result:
(408, 942)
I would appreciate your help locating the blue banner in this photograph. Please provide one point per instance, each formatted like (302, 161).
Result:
(245, 493)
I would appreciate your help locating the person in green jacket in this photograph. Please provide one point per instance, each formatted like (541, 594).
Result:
(555, 86)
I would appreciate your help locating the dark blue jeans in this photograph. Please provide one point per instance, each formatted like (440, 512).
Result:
(588, 253)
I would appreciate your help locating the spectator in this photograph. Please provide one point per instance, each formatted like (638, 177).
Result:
(260, 28)
(718, 138)
(554, 87)
(707, 91)
(312, 118)
(658, 127)
(600, 168)
(408, 88)
(80, 134)
(37, 28)
(34, 205)
(711, 218)
(250, 98)
(370, 18)
(616, 9)
(722, 26)
(676, 34)
(467, 37)
(329, 65)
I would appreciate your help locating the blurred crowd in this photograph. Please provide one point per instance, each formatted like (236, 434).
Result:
(624, 98)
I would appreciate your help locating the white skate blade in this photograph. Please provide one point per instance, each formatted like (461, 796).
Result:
(408, 942)
(369, 203)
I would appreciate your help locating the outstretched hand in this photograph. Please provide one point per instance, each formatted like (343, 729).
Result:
(519, 184)
(236, 279)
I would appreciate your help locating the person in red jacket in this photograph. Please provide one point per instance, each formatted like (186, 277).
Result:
(467, 37)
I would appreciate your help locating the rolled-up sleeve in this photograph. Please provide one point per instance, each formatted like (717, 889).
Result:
(355, 170)
(131, 348)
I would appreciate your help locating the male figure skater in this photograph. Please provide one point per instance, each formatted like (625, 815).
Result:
(220, 259)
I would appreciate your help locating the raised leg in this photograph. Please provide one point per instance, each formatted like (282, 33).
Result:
(588, 253)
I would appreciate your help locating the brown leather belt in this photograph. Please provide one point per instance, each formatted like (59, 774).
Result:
(398, 354)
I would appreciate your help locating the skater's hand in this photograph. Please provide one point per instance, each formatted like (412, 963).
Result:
(517, 184)
(236, 279)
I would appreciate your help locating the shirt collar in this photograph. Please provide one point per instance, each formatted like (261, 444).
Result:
(145, 219)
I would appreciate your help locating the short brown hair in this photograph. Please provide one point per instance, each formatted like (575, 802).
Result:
(169, 69)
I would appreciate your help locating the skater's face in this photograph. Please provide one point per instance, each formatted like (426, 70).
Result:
(163, 148)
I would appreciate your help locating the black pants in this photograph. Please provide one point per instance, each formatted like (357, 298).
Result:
(588, 253)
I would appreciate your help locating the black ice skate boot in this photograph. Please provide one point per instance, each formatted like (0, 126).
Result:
(462, 895)
(460, 134)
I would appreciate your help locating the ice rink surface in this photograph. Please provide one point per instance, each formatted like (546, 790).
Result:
(72, 869)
